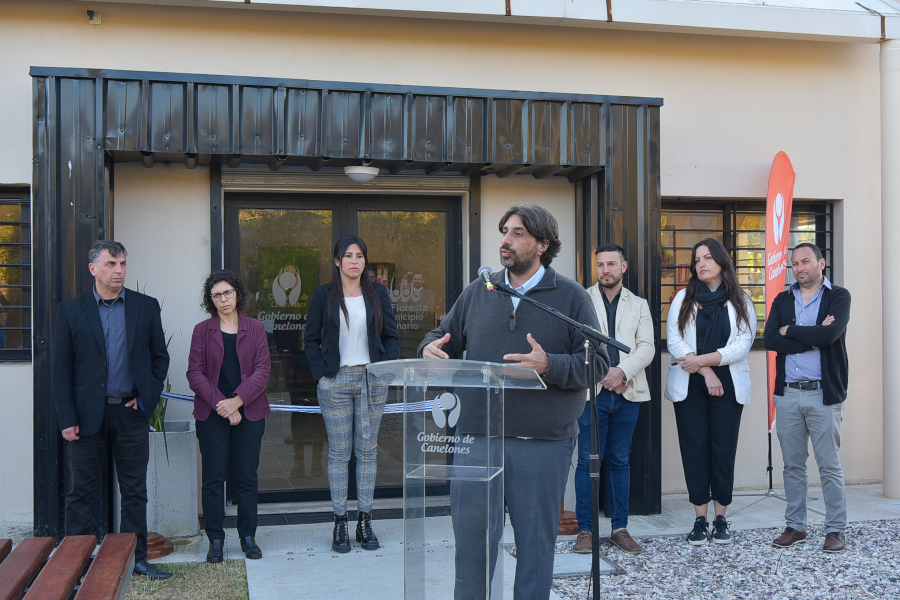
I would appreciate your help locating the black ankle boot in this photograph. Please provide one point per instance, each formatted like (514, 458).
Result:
(216, 552)
(340, 540)
(364, 533)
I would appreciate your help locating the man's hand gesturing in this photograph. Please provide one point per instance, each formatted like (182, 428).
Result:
(433, 350)
(537, 359)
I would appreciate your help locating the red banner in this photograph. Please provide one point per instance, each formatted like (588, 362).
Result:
(778, 233)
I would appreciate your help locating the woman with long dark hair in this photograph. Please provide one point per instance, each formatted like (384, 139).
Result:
(228, 370)
(711, 326)
(351, 324)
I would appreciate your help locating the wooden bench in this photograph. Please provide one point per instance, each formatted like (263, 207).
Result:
(26, 573)
(110, 572)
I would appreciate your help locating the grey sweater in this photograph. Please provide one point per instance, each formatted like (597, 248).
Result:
(478, 324)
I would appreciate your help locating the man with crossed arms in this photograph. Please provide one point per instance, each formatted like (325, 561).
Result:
(806, 327)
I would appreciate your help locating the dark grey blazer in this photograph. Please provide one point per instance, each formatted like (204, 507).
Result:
(79, 359)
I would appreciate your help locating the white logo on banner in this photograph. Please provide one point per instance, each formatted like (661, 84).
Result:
(286, 287)
(779, 218)
(445, 402)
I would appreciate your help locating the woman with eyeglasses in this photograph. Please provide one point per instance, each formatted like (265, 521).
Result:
(228, 370)
(351, 324)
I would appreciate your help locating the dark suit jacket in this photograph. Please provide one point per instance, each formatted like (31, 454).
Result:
(79, 359)
(323, 334)
(205, 366)
(829, 339)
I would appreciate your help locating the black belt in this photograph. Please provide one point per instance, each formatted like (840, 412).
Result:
(117, 400)
(806, 386)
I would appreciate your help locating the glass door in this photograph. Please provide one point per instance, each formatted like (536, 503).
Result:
(410, 252)
(281, 246)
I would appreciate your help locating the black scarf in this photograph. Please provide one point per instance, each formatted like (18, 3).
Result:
(713, 306)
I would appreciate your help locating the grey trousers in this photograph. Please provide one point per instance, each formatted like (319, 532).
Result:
(534, 485)
(801, 417)
(352, 406)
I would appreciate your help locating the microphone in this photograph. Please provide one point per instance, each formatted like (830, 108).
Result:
(485, 274)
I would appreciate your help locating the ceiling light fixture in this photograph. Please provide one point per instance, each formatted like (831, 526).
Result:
(361, 174)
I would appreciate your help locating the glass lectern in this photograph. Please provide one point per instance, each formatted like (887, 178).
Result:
(453, 431)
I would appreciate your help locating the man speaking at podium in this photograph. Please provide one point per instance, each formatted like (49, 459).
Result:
(541, 426)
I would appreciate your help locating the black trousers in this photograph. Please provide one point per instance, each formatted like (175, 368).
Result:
(125, 433)
(708, 428)
(219, 441)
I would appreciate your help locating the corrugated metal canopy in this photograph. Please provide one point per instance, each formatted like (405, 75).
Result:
(85, 121)
(166, 117)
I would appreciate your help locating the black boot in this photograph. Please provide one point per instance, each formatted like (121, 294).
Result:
(364, 533)
(340, 540)
(216, 552)
(250, 549)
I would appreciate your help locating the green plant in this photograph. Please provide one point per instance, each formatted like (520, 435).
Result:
(158, 418)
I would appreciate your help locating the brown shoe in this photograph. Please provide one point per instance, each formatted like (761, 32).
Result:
(790, 537)
(623, 540)
(834, 542)
(584, 543)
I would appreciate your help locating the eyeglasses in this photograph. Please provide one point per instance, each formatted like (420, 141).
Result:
(227, 294)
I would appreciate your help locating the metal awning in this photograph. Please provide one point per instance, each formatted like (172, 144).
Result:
(172, 117)
(86, 121)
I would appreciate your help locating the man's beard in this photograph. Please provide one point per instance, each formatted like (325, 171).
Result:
(614, 283)
(812, 281)
(516, 264)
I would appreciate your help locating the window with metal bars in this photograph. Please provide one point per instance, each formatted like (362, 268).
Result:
(15, 276)
(740, 226)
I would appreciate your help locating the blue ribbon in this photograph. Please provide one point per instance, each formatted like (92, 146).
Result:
(398, 407)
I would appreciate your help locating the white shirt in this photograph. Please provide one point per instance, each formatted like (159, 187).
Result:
(535, 279)
(354, 340)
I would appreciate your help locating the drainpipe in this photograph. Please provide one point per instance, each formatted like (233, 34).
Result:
(890, 216)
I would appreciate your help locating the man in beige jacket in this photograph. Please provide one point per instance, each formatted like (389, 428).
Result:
(626, 318)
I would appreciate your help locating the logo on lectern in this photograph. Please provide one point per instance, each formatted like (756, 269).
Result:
(445, 410)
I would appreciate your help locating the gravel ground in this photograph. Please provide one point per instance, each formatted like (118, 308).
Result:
(751, 568)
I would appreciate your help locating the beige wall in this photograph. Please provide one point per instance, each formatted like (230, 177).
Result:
(16, 484)
(555, 194)
(162, 217)
(730, 105)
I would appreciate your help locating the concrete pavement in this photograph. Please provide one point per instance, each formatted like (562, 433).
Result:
(298, 561)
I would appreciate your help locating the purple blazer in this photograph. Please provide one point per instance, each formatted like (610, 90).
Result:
(205, 363)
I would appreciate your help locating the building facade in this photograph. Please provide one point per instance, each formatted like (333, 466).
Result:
(203, 134)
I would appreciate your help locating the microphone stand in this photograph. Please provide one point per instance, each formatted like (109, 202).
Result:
(592, 341)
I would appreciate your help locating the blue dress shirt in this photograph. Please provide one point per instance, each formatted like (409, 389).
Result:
(535, 279)
(806, 366)
(119, 382)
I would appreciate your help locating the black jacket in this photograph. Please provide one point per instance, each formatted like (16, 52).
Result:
(79, 359)
(323, 335)
(829, 339)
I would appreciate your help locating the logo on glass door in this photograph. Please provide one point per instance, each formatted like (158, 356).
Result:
(286, 286)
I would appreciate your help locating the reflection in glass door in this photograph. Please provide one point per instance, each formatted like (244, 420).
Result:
(408, 252)
(282, 250)
(284, 254)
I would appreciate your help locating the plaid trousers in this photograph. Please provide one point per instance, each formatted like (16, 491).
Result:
(352, 404)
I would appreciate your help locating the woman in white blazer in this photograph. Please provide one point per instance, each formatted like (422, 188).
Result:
(711, 326)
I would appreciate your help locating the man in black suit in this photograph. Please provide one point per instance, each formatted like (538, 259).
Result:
(109, 368)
